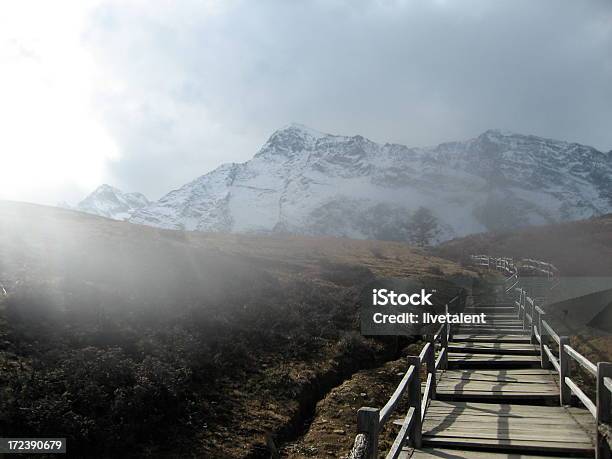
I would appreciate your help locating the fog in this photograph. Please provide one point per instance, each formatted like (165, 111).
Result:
(77, 263)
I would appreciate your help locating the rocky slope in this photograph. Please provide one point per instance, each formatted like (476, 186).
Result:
(307, 182)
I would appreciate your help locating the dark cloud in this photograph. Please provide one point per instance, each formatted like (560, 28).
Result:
(188, 86)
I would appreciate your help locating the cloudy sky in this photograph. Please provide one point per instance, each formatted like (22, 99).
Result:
(149, 94)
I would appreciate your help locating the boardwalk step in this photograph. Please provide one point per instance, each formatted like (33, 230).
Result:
(473, 360)
(495, 318)
(518, 386)
(495, 305)
(438, 453)
(482, 338)
(530, 444)
(494, 348)
(507, 428)
(492, 330)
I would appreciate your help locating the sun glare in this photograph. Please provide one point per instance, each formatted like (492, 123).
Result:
(51, 140)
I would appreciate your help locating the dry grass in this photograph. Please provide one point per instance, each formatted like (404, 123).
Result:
(262, 325)
(383, 258)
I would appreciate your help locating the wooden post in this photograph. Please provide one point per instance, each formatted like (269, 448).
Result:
(543, 341)
(534, 322)
(444, 345)
(414, 400)
(431, 364)
(367, 423)
(604, 409)
(564, 364)
(449, 334)
(525, 312)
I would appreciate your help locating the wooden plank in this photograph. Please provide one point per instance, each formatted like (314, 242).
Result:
(512, 371)
(532, 389)
(494, 348)
(582, 360)
(484, 330)
(474, 435)
(556, 433)
(559, 417)
(501, 373)
(482, 360)
(386, 411)
(502, 338)
(402, 435)
(583, 449)
(510, 313)
(504, 425)
(483, 357)
(517, 421)
(439, 453)
(586, 401)
(495, 322)
(463, 375)
(497, 385)
(524, 376)
(499, 408)
(508, 397)
(494, 345)
(522, 385)
(474, 390)
(494, 305)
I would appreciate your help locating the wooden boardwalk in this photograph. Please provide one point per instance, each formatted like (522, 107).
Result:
(500, 389)
(495, 400)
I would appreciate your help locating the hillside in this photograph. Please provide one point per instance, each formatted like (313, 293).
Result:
(132, 340)
(581, 248)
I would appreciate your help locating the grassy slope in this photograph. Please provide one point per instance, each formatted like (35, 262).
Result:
(172, 343)
(580, 248)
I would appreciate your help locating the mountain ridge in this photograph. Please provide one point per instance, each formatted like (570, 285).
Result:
(307, 182)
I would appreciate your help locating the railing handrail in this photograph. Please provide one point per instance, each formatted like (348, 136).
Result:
(540, 329)
(371, 420)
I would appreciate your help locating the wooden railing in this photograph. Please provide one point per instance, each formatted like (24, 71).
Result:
(370, 421)
(557, 353)
(500, 263)
(503, 264)
(541, 267)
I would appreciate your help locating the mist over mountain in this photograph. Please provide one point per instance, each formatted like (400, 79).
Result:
(307, 182)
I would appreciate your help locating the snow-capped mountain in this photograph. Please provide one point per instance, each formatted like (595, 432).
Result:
(307, 182)
(110, 202)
